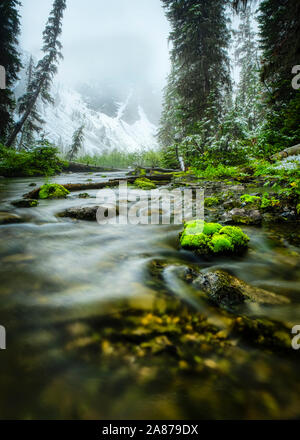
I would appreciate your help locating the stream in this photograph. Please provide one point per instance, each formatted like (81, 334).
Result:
(82, 302)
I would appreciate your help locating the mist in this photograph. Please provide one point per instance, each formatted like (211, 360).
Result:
(123, 44)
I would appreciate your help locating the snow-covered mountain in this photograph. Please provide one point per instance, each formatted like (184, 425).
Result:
(102, 132)
(112, 120)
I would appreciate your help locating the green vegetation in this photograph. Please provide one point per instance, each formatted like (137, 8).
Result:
(53, 191)
(144, 183)
(216, 172)
(40, 160)
(250, 200)
(212, 238)
(120, 159)
(211, 201)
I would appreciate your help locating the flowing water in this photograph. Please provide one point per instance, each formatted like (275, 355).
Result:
(77, 300)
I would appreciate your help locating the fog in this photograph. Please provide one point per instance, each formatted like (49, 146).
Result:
(126, 41)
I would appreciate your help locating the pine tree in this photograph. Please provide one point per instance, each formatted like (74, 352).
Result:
(279, 22)
(77, 142)
(10, 60)
(199, 59)
(34, 121)
(46, 68)
(249, 102)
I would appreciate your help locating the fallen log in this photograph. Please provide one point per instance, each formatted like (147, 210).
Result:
(291, 151)
(99, 185)
(77, 167)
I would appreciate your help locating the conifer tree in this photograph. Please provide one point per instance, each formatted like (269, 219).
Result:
(77, 142)
(10, 60)
(46, 68)
(249, 104)
(34, 121)
(199, 59)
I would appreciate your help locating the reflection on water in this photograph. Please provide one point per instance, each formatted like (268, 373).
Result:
(101, 323)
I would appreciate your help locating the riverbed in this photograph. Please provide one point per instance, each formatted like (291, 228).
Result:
(101, 324)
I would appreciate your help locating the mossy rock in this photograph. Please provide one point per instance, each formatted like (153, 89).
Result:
(211, 201)
(213, 238)
(250, 200)
(144, 183)
(53, 191)
(227, 290)
(25, 203)
(84, 196)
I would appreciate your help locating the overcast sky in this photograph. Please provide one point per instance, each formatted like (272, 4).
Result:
(124, 40)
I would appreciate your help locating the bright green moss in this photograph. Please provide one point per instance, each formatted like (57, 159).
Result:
(211, 201)
(269, 202)
(251, 200)
(211, 228)
(238, 237)
(53, 191)
(212, 238)
(221, 243)
(195, 241)
(298, 208)
(144, 184)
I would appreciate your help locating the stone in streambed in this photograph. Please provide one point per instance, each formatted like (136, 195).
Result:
(88, 213)
(8, 218)
(53, 191)
(242, 216)
(227, 290)
(25, 203)
(212, 238)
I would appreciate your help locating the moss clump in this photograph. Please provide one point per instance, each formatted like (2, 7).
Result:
(250, 200)
(212, 238)
(238, 237)
(221, 243)
(269, 202)
(211, 201)
(211, 228)
(144, 184)
(53, 191)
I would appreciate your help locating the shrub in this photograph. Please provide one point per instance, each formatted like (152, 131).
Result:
(41, 160)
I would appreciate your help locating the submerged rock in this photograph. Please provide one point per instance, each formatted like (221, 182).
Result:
(89, 212)
(84, 196)
(213, 238)
(227, 290)
(53, 191)
(7, 218)
(25, 203)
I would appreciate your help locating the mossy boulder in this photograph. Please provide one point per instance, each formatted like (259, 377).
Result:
(144, 183)
(227, 290)
(25, 203)
(247, 199)
(53, 191)
(213, 238)
(242, 216)
(211, 201)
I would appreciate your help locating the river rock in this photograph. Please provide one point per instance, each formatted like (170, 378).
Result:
(86, 212)
(227, 290)
(242, 216)
(7, 218)
(25, 203)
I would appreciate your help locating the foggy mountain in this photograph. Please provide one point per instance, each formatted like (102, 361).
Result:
(114, 117)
